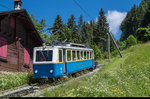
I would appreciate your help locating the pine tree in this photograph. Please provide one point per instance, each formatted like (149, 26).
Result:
(80, 23)
(40, 26)
(72, 25)
(102, 29)
(83, 32)
(146, 20)
(137, 17)
(91, 31)
(58, 29)
(129, 25)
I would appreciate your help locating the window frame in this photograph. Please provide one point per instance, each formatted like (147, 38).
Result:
(67, 55)
(80, 54)
(3, 57)
(88, 55)
(61, 55)
(12, 22)
(0, 25)
(85, 55)
(44, 61)
(73, 54)
(27, 52)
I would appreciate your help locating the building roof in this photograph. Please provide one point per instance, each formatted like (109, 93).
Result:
(28, 24)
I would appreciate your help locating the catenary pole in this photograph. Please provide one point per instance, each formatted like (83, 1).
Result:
(108, 46)
(115, 43)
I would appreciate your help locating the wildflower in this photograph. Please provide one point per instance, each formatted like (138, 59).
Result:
(121, 92)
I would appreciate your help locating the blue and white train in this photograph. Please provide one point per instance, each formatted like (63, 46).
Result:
(62, 59)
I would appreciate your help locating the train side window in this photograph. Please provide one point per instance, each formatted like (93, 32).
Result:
(78, 55)
(88, 55)
(60, 56)
(73, 55)
(82, 55)
(85, 55)
(68, 55)
(92, 53)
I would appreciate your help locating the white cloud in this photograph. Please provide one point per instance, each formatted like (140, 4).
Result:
(96, 19)
(114, 19)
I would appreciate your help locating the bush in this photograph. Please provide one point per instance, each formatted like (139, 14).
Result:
(143, 34)
(97, 52)
(131, 41)
(13, 80)
(122, 45)
(114, 53)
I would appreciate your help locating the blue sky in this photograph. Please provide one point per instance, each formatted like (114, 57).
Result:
(115, 10)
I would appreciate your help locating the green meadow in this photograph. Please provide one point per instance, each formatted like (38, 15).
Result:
(122, 77)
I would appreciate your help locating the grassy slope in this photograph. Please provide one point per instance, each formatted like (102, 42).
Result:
(122, 77)
(14, 80)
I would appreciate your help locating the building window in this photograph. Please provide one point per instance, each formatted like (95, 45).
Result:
(26, 56)
(12, 22)
(0, 25)
(3, 48)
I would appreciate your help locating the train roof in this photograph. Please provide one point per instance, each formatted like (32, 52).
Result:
(68, 46)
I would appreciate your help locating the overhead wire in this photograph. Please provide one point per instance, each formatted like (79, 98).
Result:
(4, 6)
(82, 8)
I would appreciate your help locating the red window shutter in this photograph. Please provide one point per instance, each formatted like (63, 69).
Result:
(3, 48)
(12, 22)
(26, 56)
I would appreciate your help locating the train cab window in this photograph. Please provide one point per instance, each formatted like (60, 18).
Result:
(68, 55)
(60, 56)
(85, 55)
(44, 55)
(78, 55)
(88, 56)
(74, 55)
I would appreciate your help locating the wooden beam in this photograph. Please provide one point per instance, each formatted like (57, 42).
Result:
(115, 43)
(108, 46)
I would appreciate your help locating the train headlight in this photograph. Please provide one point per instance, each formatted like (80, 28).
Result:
(35, 71)
(51, 71)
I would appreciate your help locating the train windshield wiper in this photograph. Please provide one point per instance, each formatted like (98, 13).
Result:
(47, 53)
(43, 55)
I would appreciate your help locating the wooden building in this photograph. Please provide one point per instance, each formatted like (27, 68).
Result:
(18, 36)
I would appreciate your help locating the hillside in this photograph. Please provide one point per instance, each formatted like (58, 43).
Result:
(136, 18)
(122, 77)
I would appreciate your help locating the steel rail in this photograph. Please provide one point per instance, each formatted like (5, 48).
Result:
(27, 91)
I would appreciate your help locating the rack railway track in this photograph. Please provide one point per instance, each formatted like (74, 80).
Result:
(29, 91)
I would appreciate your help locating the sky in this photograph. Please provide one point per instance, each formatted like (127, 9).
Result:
(115, 10)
